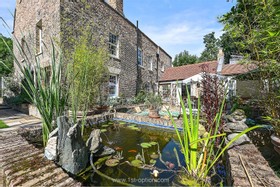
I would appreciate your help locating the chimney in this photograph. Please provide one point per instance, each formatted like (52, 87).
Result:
(117, 5)
(220, 59)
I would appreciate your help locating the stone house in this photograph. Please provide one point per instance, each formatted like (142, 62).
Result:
(136, 62)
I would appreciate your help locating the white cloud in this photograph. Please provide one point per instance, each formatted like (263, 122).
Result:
(183, 30)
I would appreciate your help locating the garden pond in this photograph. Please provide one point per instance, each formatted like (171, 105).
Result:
(132, 142)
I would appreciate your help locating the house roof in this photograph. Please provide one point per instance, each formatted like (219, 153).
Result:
(237, 69)
(186, 71)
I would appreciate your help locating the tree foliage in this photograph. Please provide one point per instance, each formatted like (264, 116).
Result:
(254, 27)
(184, 58)
(211, 48)
(87, 71)
(5, 55)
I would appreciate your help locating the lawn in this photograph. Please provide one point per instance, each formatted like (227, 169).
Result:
(3, 125)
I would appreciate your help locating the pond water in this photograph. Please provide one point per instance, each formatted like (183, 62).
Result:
(127, 139)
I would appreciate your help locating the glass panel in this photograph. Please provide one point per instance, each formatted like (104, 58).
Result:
(140, 56)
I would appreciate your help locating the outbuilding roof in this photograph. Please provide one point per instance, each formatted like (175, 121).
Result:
(187, 71)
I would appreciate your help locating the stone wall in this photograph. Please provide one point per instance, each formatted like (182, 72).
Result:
(28, 14)
(103, 19)
(163, 123)
(258, 168)
(244, 156)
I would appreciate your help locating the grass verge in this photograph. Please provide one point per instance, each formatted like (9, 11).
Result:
(3, 125)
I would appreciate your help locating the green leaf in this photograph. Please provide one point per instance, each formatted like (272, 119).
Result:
(145, 145)
(136, 163)
(153, 143)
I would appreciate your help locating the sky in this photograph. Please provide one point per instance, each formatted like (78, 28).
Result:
(175, 25)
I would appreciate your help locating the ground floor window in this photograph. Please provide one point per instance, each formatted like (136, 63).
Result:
(113, 86)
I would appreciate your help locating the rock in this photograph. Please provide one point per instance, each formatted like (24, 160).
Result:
(50, 149)
(73, 154)
(239, 115)
(104, 151)
(239, 112)
(94, 141)
(235, 127)
(229, 118)
(240, 141)
(54, 132)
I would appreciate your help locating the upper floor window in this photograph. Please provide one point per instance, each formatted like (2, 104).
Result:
(140, 56)
(113, 45)
(39, 41)
(151, 63)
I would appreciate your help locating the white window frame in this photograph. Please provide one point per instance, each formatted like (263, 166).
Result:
(162, 66)
(116, 94)
(151, 61)
(116, 45)
(140, 56)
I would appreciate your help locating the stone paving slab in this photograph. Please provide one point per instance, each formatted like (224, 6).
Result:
(16, 120)
(27, 167)
(22, 164)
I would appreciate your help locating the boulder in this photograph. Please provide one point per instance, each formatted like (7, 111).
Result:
(94, 141)
(73, 154)
(54, 132)
(240, 141)
(50, 149)
(235, 127)
(104, 151)
(229, 118)
(239, 115)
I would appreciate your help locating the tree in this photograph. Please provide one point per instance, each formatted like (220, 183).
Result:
(5, 56)
(254, 27)
(227, 43)
(211, 48)
(184, 58)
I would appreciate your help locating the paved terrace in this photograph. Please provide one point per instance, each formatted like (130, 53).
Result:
(21, 164)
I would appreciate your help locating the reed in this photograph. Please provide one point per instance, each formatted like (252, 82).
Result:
(200, 153)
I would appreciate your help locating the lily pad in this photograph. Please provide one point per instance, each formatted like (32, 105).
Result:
(153, 143)
(152, 161)
(131, 125)
(105, 126)
(154, 156)
(145, 145)
(103, 130)
(136, 163)
(112, 162)
(135, 128)
(110, 123)
(122, 123)
(98, 164)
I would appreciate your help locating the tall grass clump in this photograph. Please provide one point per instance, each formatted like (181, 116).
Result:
(43, 86)
(200, 153)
